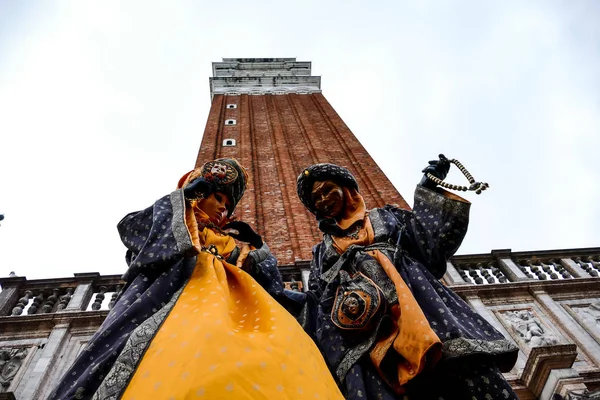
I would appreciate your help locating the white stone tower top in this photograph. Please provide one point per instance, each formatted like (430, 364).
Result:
(256, 76)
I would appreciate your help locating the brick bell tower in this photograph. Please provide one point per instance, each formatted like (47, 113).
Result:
(270, 114)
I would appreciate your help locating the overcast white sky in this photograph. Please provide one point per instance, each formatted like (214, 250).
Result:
(103, 105)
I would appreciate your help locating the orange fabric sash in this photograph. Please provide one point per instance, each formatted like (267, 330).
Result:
(415, 344)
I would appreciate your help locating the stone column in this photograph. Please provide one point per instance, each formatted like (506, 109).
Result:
(574, 268)
(452, 277)
(83, 292)
(38, 372)
(10, 293)
(508, 266)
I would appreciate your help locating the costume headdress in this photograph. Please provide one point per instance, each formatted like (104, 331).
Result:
(322, 172)
(226, 175)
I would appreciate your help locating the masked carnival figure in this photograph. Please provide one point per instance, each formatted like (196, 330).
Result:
(194, 321)
(375, 306)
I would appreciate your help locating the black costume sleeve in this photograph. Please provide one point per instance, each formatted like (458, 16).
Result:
(262, 266)
(434, 229)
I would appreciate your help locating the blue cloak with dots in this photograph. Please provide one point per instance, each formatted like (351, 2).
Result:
(419, 243)
(161, 259)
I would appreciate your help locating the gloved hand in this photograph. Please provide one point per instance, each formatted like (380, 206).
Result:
(198, 187)
(244, 233)
(438, 168)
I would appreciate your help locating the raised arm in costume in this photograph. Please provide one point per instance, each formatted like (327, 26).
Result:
(375, 307)
(191, 322)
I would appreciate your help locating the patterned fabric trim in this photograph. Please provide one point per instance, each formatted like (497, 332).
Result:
(374, 271)
(463, 346)
(441, 202)
(117, 379)
(180, 230)
(354, 354)
(379, 229)
(345, 258)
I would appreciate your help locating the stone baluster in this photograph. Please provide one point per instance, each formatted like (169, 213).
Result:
(50, 302)
(537, 268)
(473, 273)
(99, 298)
(114, 296)
(547, 268)
(498, 273)
(524, 270)
(586, 267)
(37, 302)
(559, 267)
(595, 264)
(23, 301)
(463, 273)
(64, 299)
(485, 275)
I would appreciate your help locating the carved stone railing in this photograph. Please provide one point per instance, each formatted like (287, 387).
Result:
(87, 291)
(549, 270)
(93, 292)
(504, 266)
(523, 293)
(481, 273)
(590, 264)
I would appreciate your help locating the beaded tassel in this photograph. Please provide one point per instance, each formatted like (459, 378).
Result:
(478, 187)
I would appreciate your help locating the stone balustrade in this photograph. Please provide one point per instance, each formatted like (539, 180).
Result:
(504, 266)
(547, 300)
(85, 291)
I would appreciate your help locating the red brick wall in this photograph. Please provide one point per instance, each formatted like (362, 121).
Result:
(277, 137)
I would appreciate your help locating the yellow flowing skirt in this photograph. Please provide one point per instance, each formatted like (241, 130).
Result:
(227, 338)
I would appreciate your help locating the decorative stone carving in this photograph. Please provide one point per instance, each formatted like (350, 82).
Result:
(579, 395)
(10, 362)
(529, 328)
(590, 315)
(23, 301)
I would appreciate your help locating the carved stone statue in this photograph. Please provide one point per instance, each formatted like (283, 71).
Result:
(590, 314)
(528, 327)
(579, 395)
(10, 362)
